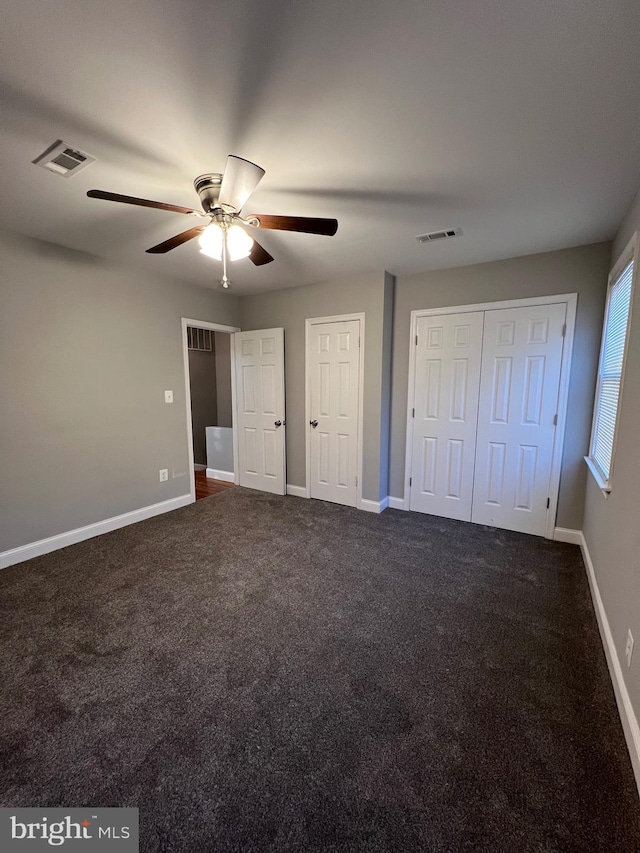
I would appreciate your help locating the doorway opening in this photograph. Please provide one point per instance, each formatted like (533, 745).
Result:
(210, 395)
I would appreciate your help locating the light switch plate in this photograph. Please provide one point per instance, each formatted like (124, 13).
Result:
(168, 396)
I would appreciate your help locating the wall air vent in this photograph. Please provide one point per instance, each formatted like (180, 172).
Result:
(64, 160)
(200, 340)
(439, 235)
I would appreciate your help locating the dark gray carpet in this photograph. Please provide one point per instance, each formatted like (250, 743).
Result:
(258, 673)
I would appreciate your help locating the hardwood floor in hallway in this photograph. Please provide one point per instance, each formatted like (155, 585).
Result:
(206, 486)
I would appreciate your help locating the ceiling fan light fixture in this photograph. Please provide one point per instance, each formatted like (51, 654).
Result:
(239, 244)
(211, 241)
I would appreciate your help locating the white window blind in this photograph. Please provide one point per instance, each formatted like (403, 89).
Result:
(610, 372)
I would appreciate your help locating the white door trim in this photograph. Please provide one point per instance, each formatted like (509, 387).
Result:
(495, 306)
(336, 318)
(571, 301)
(214, 327)
(563, 397)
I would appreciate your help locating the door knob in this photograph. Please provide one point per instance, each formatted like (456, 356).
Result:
(314, 424)
(278, 423)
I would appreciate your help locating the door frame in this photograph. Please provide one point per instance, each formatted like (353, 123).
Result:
(214, 327)
(315, 321)
(571, 301)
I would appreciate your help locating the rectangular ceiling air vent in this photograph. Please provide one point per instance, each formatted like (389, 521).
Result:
(439, 235)
(64, 160)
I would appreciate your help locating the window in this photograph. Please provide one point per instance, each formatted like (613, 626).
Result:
(610, 370)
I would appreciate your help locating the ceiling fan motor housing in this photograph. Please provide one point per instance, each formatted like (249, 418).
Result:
(208, 188)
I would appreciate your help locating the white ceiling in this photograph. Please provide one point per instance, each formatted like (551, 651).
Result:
(517, 121)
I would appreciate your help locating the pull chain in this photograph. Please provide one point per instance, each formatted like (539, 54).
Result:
(226, 284)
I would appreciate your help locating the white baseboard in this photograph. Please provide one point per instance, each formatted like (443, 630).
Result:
(397, 503)
(198, 466)
(61, 540)
(374, 506)
(297, 491)
(625, 708)
(367, 506)
(566, 534)
(214, 474)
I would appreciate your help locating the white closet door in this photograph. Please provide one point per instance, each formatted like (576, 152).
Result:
(334, 391)
(259, 421)
(521, 361)
(447, 378)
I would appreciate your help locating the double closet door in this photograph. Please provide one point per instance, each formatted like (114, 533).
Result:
(484, 423)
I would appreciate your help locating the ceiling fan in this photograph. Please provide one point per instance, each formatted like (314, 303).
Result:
(222, 197)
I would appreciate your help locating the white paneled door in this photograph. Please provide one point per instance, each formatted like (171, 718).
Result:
(447, 378)
(521, 362)
(333, 370)
(260, 416)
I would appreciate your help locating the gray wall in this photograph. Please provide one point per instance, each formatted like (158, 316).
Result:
(581, 270)
(204, 399)
(289, 309)
(223, 378)
(87, 350)
(629, 225)
(611, 524)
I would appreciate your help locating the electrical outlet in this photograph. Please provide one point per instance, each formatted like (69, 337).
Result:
(168, 396)
(629, 650)
(164, 475)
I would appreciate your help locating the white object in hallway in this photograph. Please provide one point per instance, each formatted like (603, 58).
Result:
(447, 380)
(520, 378)
(220, 464)
(260, 416)
(333, 370)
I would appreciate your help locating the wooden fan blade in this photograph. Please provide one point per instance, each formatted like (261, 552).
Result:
(142, 202)
(178, 240)
(259, 255)
(240, 179)
(305, 224)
